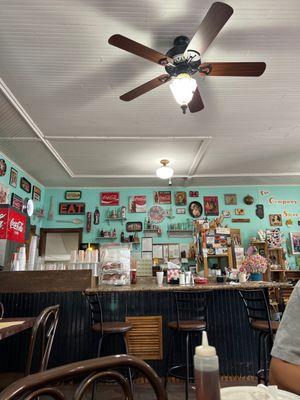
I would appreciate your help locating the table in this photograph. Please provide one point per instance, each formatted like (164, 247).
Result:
(6, 331)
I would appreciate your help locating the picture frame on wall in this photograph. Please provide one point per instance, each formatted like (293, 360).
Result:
(230, 199)
(180, 210)
(4, 192)
(211, 205)
(73, 195)
(295, 242)
(275, 219)
(180, 198)
(36, 193)
(13, 177)
(25, 185)
(136, 226)
(162, 197)
(16, 202)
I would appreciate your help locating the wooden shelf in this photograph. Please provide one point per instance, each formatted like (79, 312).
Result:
(109, 220)
(218, 255)
(106, 238)
(180, 233)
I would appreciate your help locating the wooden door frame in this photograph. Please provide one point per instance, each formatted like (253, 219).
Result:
(44, 231)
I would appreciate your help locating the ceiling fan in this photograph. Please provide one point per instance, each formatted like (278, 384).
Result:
(184, 60)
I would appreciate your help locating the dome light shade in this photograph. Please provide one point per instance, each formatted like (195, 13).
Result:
(183, 88)
(164, 172)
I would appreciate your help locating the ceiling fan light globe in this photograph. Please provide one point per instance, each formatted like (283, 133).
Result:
(183, 88)
(164, 172)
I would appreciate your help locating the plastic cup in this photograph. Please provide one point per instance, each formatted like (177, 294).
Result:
(160, 277)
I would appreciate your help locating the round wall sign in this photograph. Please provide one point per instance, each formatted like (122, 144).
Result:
(195, 209)
(156, 214)
(2, 167)
(28, 207)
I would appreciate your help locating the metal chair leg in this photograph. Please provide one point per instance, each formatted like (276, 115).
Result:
(98, 355)
(129, 370)
(169, 357)
(187, 377)
(259, 357)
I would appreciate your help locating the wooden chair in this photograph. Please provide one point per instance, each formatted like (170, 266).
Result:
(45, 383)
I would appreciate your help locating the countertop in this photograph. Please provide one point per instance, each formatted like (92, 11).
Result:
(149, 284)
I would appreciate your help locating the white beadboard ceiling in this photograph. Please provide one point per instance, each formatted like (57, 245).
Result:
(62, 121)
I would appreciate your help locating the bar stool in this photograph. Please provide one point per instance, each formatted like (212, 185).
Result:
(257, 308)
(105, 329)
(191, 318)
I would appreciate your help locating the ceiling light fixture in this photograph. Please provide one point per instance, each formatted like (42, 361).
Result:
(183, 88)
(164, 172)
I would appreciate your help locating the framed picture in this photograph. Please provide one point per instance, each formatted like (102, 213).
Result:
(180, 210)
(109, 199)
(195, 209)
(25, 185)
(134, 227)
(239, 211)
(226, 213)
(295, 242)
(4, 192)
(180, 198)
(230, 199)
(275, 219)
(3, 167)
(13, 177)
(72, 194)
(17, 202)
(194, 193)
(138, 204)
(211, 205)
(162, 197)
(36, 193)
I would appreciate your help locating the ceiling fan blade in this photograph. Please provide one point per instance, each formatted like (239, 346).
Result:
(233, 68)
(139, 49)
(146, 87)
(213, 22)
(196, 104)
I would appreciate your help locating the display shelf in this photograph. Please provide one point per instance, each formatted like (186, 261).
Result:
(180, 232)
(109, 220)
(217, 255)
(106, 238)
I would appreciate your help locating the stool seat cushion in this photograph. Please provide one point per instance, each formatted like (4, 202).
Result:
(112, 327)
(261, 325)
(192, 325)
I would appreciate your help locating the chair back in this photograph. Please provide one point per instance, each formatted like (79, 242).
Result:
(257, 306)
(191, 305)
(1, 310)
(45, 383)
(42, 336)
(95, 305)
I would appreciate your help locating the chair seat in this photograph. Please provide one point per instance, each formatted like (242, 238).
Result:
(7, 378)
(186, 326)
(261, 325)
(112, 327)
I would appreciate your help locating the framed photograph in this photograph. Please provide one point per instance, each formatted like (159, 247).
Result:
(109, 199)
(275, 219)
(230, 199)
(295, 242)
(195, 209)
(138, 204)
(162, 197)
(25, 185)
(239, 211)
(134, 227)
(3, 167)
(13, 177)
(4, 192)
(180, 198)
(180, 210)
(16, 202)
(72, 194)
(36, 193)
(211, 205)
(193, 193)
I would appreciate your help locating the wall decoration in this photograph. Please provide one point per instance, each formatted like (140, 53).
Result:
(211, 205)
(264, 192)
(88, 223)
(4, 192)
(289, 222)
(138, 204)
(3, 167)
(248, 200)
(287, 214)
(240, 220)
(180, 210)
(71, 208)
(230, 199)
(156, 214)
(180, 198)
(25, 185)
(36, 193)
(239, 211)
(295, 242)
(16, 202)
(194, 193)
(259, 211)
(226, 213)
(73, 195)
(134, 227)
(284, 202)
(109, 198)
(195, 209)
(162, 197)
(273, 237)
(13, 177)
(275, 219)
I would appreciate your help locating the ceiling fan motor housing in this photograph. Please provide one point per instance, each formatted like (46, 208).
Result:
(181, 62)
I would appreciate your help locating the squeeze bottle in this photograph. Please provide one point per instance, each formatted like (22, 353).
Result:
(206, 365)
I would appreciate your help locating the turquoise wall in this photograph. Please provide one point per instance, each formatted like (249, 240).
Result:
(91, 197)
(4, 180)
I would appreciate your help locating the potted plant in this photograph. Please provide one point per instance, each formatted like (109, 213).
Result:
(255, 265)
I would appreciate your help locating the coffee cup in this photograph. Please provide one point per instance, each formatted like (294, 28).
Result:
(243, 277)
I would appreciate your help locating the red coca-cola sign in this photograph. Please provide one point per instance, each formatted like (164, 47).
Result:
(109, 199)
(12, 225)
